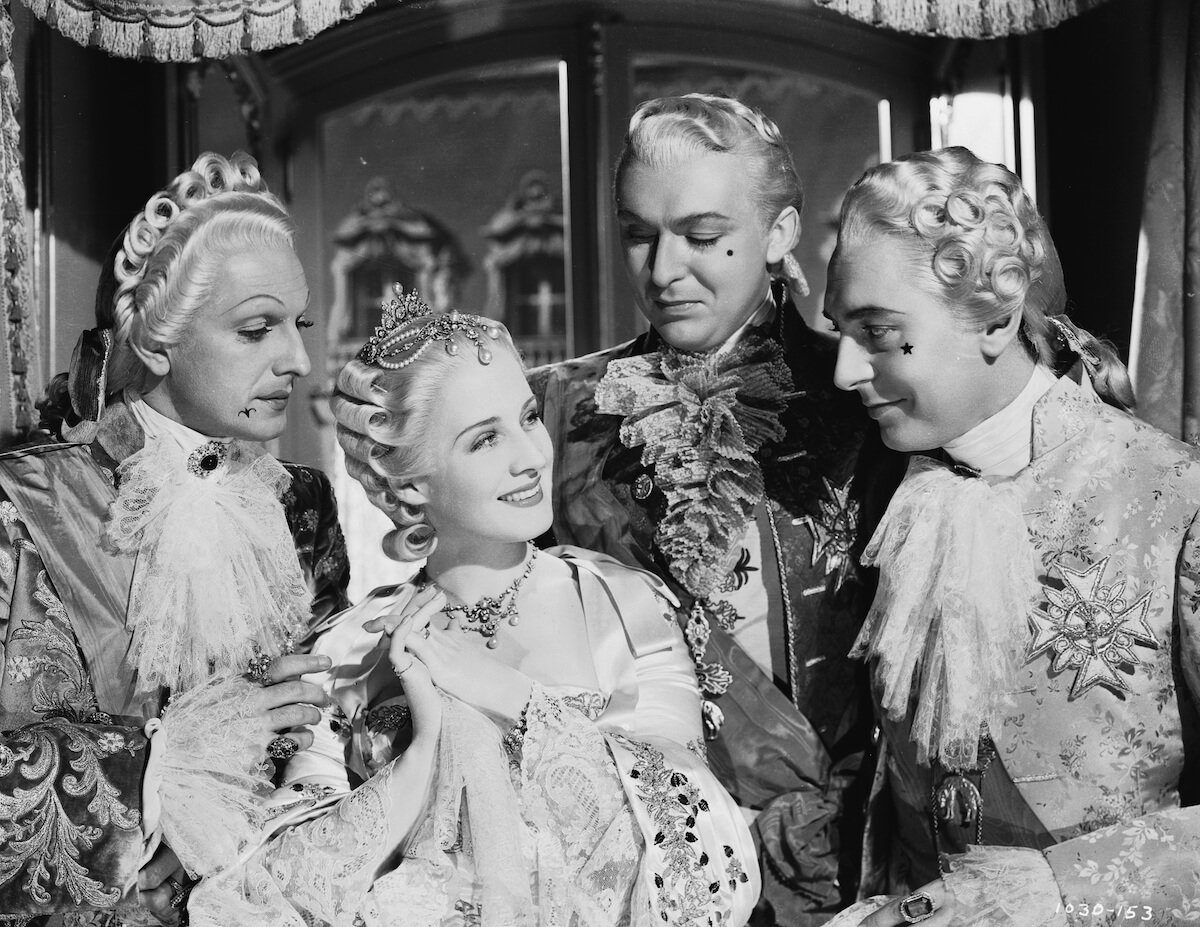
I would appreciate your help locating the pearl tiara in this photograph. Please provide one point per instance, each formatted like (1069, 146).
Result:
(408, 327)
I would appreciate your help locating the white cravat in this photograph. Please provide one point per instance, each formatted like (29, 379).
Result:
(158, 427)
(1002, 445)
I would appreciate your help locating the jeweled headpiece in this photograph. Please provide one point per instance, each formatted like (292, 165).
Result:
(409, 327)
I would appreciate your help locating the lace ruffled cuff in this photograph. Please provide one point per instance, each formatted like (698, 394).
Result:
(859, 911)
(209, 757)
(1004, 887)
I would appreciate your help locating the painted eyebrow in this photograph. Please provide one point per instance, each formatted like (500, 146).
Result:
(853, 315)
(238, 305)
(494, 420)
(682, 221)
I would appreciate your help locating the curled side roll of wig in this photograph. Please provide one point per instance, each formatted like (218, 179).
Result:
(979, 245)
(383, 415)
(976, 238)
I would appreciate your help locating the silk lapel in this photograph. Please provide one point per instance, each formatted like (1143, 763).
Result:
(63, 496)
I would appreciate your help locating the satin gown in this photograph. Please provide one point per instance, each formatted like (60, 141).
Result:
(606, 814)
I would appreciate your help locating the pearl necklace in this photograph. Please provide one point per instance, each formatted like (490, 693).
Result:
(486, 615)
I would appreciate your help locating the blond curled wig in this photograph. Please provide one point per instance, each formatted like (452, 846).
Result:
(980, 247)
(173, 250)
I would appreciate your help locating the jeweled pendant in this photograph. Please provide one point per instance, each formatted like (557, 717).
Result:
(492, 643)
(642, 487)
(206, 458)
(958, 800)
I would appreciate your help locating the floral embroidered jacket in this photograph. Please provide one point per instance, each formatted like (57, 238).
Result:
(788, 748)
(72, 749)
(606, 813)
(1095, 765)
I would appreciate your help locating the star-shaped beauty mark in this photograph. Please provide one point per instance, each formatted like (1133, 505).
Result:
(833, 531)
(906, 348)
(1088, 626)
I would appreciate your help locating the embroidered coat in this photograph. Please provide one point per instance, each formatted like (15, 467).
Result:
(605, 814)
(72, 750)
(1094, 765)
(788, 748)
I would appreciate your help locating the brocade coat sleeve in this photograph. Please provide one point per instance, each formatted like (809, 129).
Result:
(1146, 869)
(70, 775)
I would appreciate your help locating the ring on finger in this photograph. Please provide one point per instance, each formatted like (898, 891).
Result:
(259, 668)
(282, 748)
(917, 907)
(407, 667)
(425, 631)
(179, 893)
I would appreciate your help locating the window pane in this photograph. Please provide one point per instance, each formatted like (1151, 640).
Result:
(456, 186)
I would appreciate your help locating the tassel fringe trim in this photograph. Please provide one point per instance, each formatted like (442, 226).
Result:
(962, 19)
(184, 31)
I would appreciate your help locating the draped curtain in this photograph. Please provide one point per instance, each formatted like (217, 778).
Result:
(1166, 344)
(18, 351)
(189, 30)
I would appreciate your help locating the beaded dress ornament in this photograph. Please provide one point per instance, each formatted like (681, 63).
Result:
(487, 615)
(409, 328)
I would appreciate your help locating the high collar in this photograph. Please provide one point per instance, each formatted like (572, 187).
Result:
(1062, 413)
(118, 436)
(1002, 444)
(157, 427)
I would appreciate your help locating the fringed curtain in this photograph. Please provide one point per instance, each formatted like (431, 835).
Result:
(962, 19)
(1166, 342)
(19, 357)
(188, 30)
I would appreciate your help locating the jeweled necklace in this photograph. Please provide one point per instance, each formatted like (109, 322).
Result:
(485, 616)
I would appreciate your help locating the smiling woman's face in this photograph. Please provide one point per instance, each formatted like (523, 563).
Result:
(492, 456)
(696, 247)
(232, 373)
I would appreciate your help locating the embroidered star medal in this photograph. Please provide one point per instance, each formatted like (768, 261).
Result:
(1088, 626)
(833, 531)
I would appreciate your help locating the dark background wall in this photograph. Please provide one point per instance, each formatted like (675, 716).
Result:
(1098, 105)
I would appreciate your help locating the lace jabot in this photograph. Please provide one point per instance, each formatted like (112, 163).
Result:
(949, 623)
(699, 419)
(216, 577)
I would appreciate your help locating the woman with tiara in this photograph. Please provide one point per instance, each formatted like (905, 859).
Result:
(555, 775)
(158, 552)
(1035, 643)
